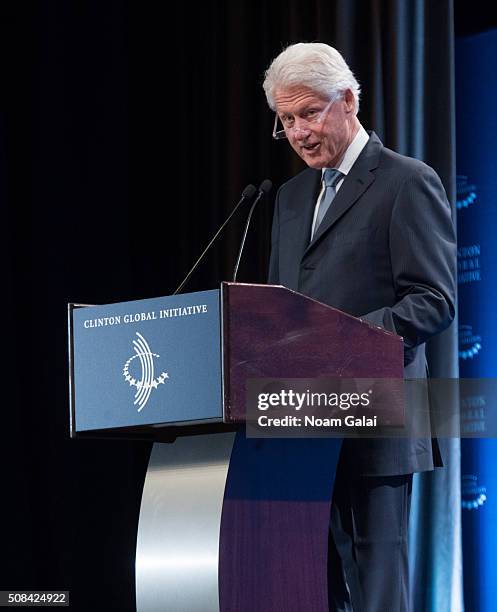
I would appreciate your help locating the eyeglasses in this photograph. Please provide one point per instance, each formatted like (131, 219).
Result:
(311, 117)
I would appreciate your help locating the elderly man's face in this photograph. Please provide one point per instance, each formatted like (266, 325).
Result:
(320, 145)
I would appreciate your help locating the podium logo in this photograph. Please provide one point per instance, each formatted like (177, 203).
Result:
(145, 381)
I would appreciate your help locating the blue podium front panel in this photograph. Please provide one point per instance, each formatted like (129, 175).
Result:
(147, 362)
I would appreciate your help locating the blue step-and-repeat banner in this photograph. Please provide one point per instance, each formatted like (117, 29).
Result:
(476, 112)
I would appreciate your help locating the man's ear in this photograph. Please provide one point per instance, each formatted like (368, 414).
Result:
(349, 100)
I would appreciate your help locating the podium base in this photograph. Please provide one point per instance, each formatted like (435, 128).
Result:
(177, 552)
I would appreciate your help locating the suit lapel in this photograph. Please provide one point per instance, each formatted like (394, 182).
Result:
(356, 182)
(298, 220)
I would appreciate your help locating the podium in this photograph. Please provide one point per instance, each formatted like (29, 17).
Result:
(227, 522)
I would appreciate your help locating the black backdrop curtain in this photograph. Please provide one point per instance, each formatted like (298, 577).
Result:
(127, 132)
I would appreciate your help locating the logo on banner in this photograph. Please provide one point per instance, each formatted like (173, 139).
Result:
(468, 264)
(466, 192)
(472, 495)
(469, 343)
(473, 413)
(140, 374)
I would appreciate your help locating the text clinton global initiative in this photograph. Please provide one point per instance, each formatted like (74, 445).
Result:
(165, 313)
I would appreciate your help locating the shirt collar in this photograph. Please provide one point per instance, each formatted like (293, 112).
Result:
(353, 151)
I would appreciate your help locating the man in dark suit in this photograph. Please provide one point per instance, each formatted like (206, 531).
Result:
(368, 231)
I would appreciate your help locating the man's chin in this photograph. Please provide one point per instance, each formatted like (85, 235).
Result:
(313, 162)
(312, 158)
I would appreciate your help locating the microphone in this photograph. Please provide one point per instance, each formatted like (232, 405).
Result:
(247, 194)
(264, 189)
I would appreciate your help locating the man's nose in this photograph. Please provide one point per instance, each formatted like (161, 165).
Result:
(301, 131)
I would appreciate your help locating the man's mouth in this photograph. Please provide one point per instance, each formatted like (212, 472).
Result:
(311, 147)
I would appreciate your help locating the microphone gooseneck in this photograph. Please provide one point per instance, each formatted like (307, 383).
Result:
(264, 188)
(247, 194)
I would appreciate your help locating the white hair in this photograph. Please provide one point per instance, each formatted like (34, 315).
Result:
(314, 65)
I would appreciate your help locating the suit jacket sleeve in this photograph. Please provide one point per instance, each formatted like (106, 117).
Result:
(423, 260)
